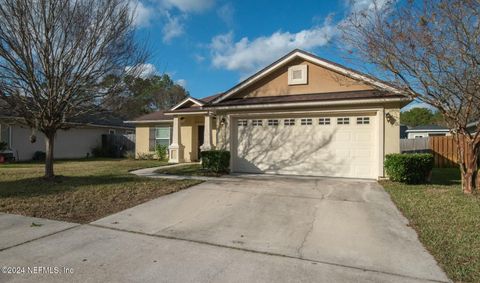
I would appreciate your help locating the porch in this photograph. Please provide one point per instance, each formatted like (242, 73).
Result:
(191, 134)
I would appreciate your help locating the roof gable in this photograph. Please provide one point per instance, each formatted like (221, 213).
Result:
(318, 80)
(302, 55)
(187, 103)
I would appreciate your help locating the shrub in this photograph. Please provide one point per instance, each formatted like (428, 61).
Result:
(39, 156)
(103, 151)
(217, 161)
(129, 154)
(145, 156)
(409, 168)
(161, 151)
(3, 146)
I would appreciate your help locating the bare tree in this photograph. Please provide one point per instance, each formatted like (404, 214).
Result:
(54, 54)
(429, 49)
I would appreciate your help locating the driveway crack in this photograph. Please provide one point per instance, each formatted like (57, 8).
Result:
(301, 246)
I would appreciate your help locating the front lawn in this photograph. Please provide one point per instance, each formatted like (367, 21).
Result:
(446, 220)
(85, 190)
(187, 170)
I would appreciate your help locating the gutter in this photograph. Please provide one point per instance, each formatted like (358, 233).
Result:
(311, 103)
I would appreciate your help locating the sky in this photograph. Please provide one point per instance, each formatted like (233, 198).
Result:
(209, 46)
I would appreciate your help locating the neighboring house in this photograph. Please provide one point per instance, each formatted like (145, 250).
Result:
(426, 131)
(301, 115)
(76, 142)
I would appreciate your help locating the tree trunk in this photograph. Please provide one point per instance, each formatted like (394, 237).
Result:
(468, 157)
(49, 143)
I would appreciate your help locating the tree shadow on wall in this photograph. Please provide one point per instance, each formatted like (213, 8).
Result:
(278, 149)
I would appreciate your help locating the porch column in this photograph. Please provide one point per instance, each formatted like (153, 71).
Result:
(207, 134)
(176, 149)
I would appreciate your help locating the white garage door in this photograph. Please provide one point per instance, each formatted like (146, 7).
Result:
(338, 146)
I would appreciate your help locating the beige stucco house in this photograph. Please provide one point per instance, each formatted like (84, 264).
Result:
(301, 115)
(77, 142)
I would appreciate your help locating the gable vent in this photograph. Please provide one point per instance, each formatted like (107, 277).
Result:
(297, 75)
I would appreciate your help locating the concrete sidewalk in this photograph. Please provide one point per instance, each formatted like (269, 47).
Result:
(18, 229)
(150, 173)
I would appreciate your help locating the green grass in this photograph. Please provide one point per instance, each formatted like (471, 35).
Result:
(187, 170)
(83, 191)
(446, 220)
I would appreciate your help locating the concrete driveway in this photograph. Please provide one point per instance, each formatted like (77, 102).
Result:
(262, 229)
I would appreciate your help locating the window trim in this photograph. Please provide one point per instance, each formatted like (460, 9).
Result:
(257, 122)
(364, 120)
(343, 121)
(242, 122)
(324, 121)
(289, 122)
(169, 135)
(273, 122)
(301, 81)
(306, 121)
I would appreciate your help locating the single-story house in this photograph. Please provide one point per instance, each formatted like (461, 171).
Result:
(301, 115)
(77, 142)
(426, 131)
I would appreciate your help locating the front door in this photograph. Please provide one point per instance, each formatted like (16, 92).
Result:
(200, 140)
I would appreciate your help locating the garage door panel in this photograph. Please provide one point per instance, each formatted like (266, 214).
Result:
(319, 150)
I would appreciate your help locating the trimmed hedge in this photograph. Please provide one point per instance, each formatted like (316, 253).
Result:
(217, 161)
(409, 168)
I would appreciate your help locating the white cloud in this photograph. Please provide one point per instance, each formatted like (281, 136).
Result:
(174, 27)
(225, 13)
(198, 58)
(248, 55)
(189, 6)
(143, 15)
(144, 71)
(182, 82)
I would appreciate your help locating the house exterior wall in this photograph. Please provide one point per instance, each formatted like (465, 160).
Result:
(188, 136)
(72, 143)
(392, 129)
(426, 134)
(388, 131)
(320, 80)
(145, 138)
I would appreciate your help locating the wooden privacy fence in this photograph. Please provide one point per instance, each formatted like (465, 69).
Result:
(443, 148)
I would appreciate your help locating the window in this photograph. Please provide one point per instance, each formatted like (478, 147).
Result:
(257, 122)
(297, 75)
(306, 121)
(162, 136)
(324, 121)
(242, 123)
(363, 120)
(111, 131)
(127, 132)
(273, 122)
(289, 122)
(5, 134)
(343, 121)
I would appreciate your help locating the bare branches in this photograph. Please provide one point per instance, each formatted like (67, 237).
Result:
(428, 48)
(431, 50)
(54, 55)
